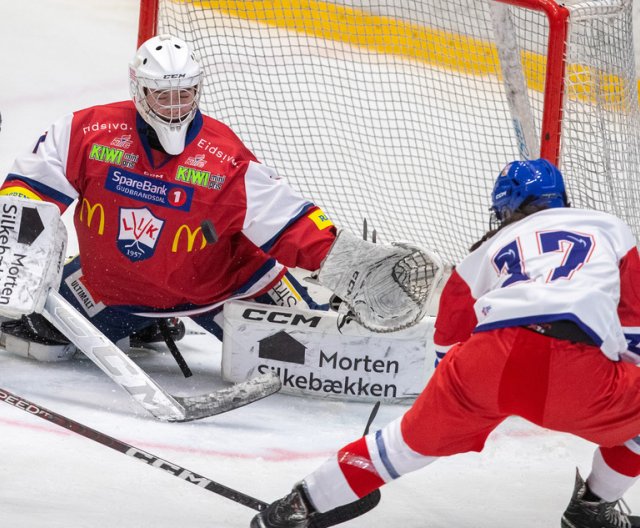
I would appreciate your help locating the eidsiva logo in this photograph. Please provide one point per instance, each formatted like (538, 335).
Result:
(139, 233)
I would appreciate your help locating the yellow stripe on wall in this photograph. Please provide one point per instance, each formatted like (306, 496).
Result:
(383, 34)
(391, 36)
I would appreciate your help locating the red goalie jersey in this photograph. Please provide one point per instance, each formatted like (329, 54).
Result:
(139, 211)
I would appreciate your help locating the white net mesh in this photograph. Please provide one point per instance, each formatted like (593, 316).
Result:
(600, 125)
(396, 111)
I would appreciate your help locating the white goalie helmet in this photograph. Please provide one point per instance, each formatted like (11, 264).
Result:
(165, 85)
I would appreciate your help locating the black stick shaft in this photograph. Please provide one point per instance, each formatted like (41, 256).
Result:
(173, 348)
(372, 417)
(129, 450)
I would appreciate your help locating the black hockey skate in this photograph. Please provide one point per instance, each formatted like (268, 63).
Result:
(153, 334)
(596, 514)
(292, 511)
(33, 336)
(34, 327)
(296, 511)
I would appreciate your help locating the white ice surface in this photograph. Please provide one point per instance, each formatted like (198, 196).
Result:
(60, 55)
(55, 478)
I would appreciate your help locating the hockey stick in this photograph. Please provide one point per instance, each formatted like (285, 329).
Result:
(515, 85)
(117, 365)
(323, 520)
(372, 417)
(129, 450)
(173, 348)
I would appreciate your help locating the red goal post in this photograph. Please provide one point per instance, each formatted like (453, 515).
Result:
(148, 20)
(404, 112)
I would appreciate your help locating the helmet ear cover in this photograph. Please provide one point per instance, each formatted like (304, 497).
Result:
(165, 85)
(521, 183)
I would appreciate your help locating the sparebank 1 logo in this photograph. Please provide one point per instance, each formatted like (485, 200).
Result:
(139, 233)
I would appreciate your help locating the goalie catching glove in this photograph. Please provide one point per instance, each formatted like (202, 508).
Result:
(386, 287)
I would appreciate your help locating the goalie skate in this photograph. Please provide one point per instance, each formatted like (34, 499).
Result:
(152, 334)
(32, 336)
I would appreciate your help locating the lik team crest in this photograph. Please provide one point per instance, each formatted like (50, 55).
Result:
(139, 232)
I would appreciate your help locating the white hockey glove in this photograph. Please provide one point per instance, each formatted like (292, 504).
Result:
(33, 243)
(386, 287)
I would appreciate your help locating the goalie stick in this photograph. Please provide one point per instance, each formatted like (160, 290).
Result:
(122, 370)
(34, 252)
(324, 520)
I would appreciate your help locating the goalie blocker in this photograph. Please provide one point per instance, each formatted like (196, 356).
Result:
(33, 242)
(385, 287)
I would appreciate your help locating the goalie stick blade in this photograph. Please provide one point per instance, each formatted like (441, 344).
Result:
(223, 400)
(144, 390)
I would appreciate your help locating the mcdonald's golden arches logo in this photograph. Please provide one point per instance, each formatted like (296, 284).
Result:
(191, 238)
(91, 210)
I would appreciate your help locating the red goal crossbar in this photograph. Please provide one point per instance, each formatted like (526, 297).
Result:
(557, 16)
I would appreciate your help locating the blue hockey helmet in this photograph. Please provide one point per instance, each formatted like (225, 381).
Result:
(533, 182)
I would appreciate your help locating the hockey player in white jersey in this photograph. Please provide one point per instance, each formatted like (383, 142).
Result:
(541, 320)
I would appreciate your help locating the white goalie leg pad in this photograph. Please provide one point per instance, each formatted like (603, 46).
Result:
(386, 287)
(33, 242)
(318, 353)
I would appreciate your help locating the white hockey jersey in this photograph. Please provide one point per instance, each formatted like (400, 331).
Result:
(557, 264)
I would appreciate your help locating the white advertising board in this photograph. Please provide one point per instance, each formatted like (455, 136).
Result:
(315, 356)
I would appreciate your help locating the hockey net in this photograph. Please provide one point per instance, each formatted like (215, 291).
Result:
(403, 113)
